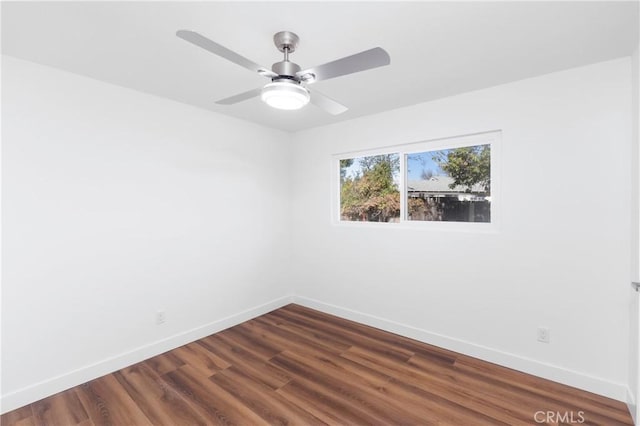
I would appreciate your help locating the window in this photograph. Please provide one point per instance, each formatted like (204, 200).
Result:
(450, 185)
(369, 188)
(446, 180)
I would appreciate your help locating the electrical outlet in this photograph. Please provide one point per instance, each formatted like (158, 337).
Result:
(161, 317)
(544, 334)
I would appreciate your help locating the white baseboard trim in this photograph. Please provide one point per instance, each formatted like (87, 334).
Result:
(565, 376)
(631, 405)
(51, 386)
(84, 374)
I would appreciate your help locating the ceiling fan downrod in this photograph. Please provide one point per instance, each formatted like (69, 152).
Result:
(286, 42)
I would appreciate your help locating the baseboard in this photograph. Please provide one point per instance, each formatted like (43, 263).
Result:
(565, 376)
(631, 405)
(51, 386)
(84, 374)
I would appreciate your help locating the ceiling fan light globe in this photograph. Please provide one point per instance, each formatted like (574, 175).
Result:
(285, 95)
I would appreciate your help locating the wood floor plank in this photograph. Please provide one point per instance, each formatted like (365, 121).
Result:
(259, 369)
(162, 404)
(259, 347)
(271, 406)
(502, 399)
(409, 346)
(165, 362)
(107, 403)
(287, 339)
(529, 391)
(298, 366)
(63, 408)
(23, 416)
(349, 386)
(472, 392)
(331, 341)
(492, 394)
(357, 336)
(347, 411)
(201, 359)
(220, 406)
(464, 404)
(372, 377)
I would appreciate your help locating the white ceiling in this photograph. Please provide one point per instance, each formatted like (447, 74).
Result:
(437, 49)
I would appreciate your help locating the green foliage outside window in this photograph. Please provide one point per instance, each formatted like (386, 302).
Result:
(468, 166)
(371, 193)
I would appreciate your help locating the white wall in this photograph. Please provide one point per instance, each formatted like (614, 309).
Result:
(560, 259)
(117, 204)
(634, 307)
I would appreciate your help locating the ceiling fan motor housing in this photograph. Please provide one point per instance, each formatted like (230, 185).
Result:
(286, 68)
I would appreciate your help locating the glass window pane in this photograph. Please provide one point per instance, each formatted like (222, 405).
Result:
(450, 185)
(369, 188)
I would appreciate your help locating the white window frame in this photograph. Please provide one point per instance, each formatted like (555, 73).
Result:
(492, 138)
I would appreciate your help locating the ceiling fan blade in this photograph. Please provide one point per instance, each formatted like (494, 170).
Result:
(215, 48)
(372, 58)
(240, 97)
(326, 103)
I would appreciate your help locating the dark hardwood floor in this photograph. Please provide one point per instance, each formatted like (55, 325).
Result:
(303, 367)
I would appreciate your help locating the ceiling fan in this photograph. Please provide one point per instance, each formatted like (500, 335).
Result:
(288, 87)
